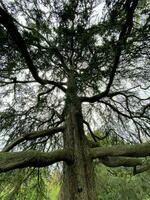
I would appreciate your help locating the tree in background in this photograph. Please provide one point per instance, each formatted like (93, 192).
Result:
(65, 69)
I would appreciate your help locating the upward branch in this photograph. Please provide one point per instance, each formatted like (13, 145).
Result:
(124, 33)
(7, 21)
(33, 135)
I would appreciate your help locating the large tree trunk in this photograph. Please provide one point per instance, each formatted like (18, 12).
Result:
(78, 180)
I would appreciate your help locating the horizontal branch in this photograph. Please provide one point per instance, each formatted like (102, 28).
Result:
(137, 150)
(16, 81)
(138, 164)
(121, 161)
(15, 160)
(142, 168)
(94, 98)
(33, 135)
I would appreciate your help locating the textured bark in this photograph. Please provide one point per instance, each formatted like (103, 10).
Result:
(14, 160)
(140, 169)
(77, 155)
(121, 161)
(78, 181)
(137, 150)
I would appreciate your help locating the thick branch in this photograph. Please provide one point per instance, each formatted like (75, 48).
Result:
(121, 161)
(124, 33)
(137, 150)
(33, 135)
(142, 168)
(14, 160)
(7, 21)
(138, 164)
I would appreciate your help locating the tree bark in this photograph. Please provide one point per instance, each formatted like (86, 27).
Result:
(78, 178)
(17, 160)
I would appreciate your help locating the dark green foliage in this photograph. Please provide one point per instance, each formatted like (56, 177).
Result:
(30, 184)
(65, 35)
(121, 184)
(72, 63)
(111, 184)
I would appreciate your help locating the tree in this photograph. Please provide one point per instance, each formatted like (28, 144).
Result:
(62, 68)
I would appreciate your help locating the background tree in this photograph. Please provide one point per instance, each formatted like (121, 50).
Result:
(63, 69)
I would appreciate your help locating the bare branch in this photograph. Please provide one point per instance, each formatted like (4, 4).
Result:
(14, 160)
(90, 130)
(95, 137)
(33, 135)
(16, 81)
(46, 92)
(115, 109)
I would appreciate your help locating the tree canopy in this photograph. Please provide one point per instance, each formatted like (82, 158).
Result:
(68, 67)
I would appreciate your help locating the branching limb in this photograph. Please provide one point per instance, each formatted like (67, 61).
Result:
(15, 160)
(33, 135)
(46, 92)
(95, 137)
(124, 33)
(7, 21)
(114, 108)
(90, 130)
